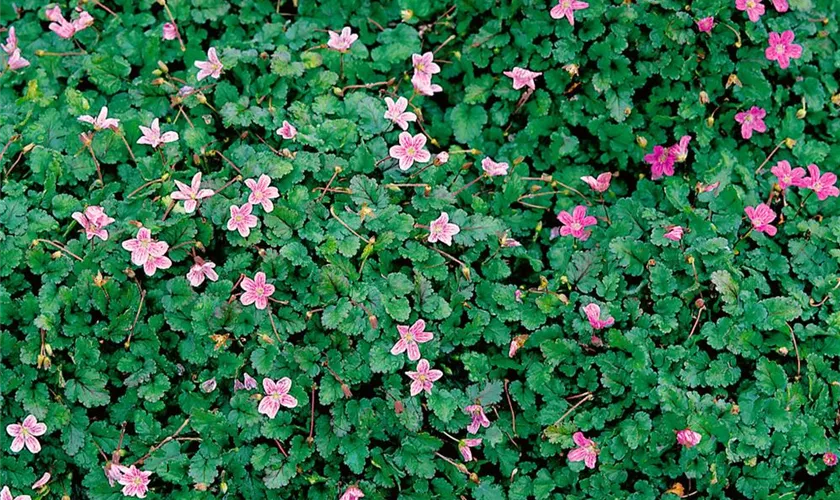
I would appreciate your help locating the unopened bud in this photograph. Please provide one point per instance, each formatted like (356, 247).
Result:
(704, 97)
(710, 121)
(29, 147)
(346, 390)
(790, 143)
(223, 487)
(406, 15)
(265, 338)
(783, 351)
(641, 141)
(57, 254)
(158, 81)
(733, 80)
(338, 92)
(201, 98)
(157, 72)
(163, 67)
(474, 478)
(374, 323)
(466, 272)
(201, 486)
(48, 349)
(427, 190)
(690, 259)
(462, 468)
(398, 407)
(801, 113)
(700, 304)
(835, 99)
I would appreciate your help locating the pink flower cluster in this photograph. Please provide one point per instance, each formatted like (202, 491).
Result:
(64, 28)
(262, 193)
(15, 61)
(821, 184)
(424, 68)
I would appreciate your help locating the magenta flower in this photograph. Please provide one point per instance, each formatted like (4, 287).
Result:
(464, 446)
(788, 177)
(26, 433)
(352, 493)
(479, 419)
(257, 291)
(410, 150)
(241, 219)
(829, 459)
(567, 8)
(153, 137)
(170, 31)
(599, 184)
(192, 193)
(423, 84)
(752, 120)
(822, 185)
(517, 296)
(706, 24)
(42, 482)
(425, 64)
(661, 162)
(680, 149)
(153, 263)
(575, 224)
(249, 384)
(761, 217)
(211, 67)
(262, 193)
(522, 78)
(287, 131)
(200, 270)
(143, 246)
(674, 233)
(782, 49)
(342, 42)
(209, 386)
(397, 112)
(688, 438)
(754, 8)
(494, 169)
(442, 230)
(780, 5)
(134, 481)
(424, 378)
(593, 314)
(276, 395)
(586, 451)
(93, 220)
(64, 28)
(101, 122)
(6, 494)
(410, 336)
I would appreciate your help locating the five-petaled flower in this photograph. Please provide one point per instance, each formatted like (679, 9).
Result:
(464, 446)
(342, 42)
(211, 67)
(761, 217)
(200, 270)
(479, 419)
(688, 438)
(287, 131)
(593, 314)
(823, 184)
(262, 192)
(442, 230)
(789, 177)
(191, 194)
(397, 112)
(241, 219)
(93, 220)
(410, 336)
(599, 184)
(425, 64)
(522, 77)
(575, 224)
(780, 5)
(257, 291)
(423, 379)
(276, 395)
(101, 122)
(143, 246)
(135, 482)
(352, 493)
(674, 233)
(410, 150)
(153, 137)
(26, 433)
(751, 121)
(754, 8)
(6, 494)
(661, 162)
(494, 169)
(567, 8)
(587, 451)
(706, 24)
(782, 49)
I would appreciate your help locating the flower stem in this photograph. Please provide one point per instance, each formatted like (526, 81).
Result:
(233, 165)
(365, 240)
(165, 440)
(758, 170)
(172, 20)
(59, 246)
(588, 397)
(467, 185)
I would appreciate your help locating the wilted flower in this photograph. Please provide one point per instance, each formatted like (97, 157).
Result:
(567, 8)
(586, 451)
(522, 78)
(593, 314)
(250, 383)
(423, 379)
(761, 217)
(287, 131)
(830, 459)
(153, 137)
(674, 233)
(782, 49)
(342, 42)
(352, 493)
(276, 395)
(64, 28)
(26, 433)
(479, 419)
(464, 446)
(43, 481)
(397, 112)
(209, 386)
(680, 149)
(211, 67)
(441, 158)
(410, 150)
(192, 193)
(102, 121)
(599, 184)
(93, 220)
(575, 224)
(442, 230)
(262, 192)
(410, 336)
(170, 31)
(494, 169)
(257, 291)
(688, 438)
(752, 120)
(241, 219)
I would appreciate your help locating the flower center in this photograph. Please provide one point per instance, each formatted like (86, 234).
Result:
(748, 119)
(576, 226)
(260, 291)
(137, 481)
(237, 218)
(422, 377)
(258, 195)
(421, 67)
(409, 337)
(817, 186)
(780, 49)
(411, 151)
(750, 4)
(567, 4)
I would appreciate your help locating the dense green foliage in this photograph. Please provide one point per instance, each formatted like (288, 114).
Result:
(730, 332)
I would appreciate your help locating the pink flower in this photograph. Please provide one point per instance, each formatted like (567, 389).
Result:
(262, 193)
(514, 345)
(101, 122)
(517, 296)
(702, 188)
(706, 24)
(84, 20)
(410, 336)
(410, 150)
(680, 149)
(601, 184)
(788, 177)
(830, 459)
(423, 84)
(425, 64)
(674, 233)
(64, 28)
(780, 5)
(352, 493)
(567, 8)
(464, 446)
(43, 481)
(192, 193)
(6, 494)
(143, 246)
(822, 185)
(397, 112)
(26, 434)
(153, 263)
(593, 314)
(423, 379)
(575, 223)
(586, 451)
(112, 472)
(752, 120)
(479, 419)
(494, 169)
(661, 162)
(241, 219)
(761, 217)
(342, 42)
(688, 438)
(153, 137)
(441, 158)
(211, 67)
(200, 270)
(170, 31)
(209, 386)
(11, 42)
(16, 62)
(93, 220)
(276, 395)
(782, 49)
(257, 291)
(507, 242)
(522, 78)
(135, 482)
(442, 230)
(287, 131)
(249, 384)
(754, 8)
